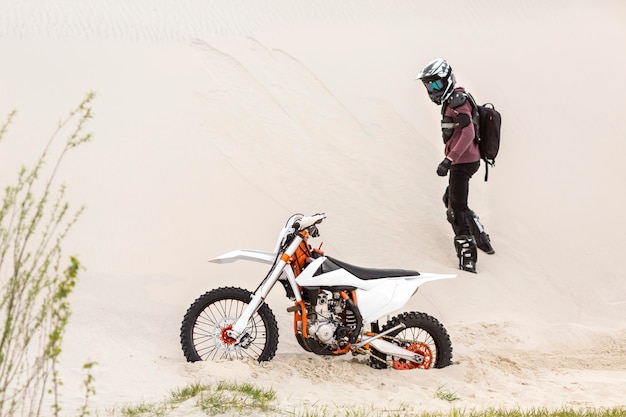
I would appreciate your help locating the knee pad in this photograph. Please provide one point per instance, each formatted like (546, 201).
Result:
(452, 219)
(459, 221)
(451, 216)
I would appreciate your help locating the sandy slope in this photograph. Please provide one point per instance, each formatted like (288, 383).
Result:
(216, 121)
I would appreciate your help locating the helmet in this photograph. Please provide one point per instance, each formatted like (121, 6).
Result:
(439, 80)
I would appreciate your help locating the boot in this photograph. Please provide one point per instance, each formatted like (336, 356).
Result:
(482, 239)
(466, 251)
(484, 244)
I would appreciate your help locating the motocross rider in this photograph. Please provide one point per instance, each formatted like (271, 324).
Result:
(462, 160)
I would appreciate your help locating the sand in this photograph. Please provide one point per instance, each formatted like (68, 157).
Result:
(215, 121)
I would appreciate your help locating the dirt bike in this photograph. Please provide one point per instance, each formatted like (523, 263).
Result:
(333, 302)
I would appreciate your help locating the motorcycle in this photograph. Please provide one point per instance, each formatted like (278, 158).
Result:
(333, 302)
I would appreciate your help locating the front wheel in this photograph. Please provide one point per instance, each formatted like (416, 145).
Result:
(424, 335)
(203, 333)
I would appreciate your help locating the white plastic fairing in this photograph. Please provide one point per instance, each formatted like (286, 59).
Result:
(245, 254)
(375, 297)
(338, 277)
(389, 296)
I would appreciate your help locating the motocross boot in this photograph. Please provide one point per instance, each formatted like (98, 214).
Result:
(466, 251)
(482, 239)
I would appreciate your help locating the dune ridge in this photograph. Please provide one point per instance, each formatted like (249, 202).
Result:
(215, 121)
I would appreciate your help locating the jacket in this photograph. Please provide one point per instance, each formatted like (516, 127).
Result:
(460, 147)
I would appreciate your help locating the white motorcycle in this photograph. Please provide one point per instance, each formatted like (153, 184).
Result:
(333, 302)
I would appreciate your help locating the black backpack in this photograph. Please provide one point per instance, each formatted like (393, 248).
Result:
(487, 123)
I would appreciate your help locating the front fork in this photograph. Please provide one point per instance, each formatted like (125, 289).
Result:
(259, 296)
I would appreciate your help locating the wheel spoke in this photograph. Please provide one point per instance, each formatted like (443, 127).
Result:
(424, 336)
(207, 332)
(419, 341)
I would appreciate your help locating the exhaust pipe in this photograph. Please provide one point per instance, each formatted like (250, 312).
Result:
(395, 350)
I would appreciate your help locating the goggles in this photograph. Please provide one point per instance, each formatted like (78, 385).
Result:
(434, 85)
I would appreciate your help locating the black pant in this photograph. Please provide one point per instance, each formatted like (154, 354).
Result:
(458, 192)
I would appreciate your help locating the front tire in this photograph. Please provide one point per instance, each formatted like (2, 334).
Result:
(424, 335)
(203, 331)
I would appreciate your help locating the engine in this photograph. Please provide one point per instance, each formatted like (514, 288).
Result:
(331, 319)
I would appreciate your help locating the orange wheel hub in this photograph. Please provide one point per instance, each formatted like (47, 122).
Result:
(224, 337)
(421, 349)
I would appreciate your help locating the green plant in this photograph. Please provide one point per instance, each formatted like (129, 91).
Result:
(35, 282)
(232, 396)
(190, 391)
(144, 409)
(446, 395)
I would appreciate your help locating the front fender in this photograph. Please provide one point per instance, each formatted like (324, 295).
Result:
(245, 254)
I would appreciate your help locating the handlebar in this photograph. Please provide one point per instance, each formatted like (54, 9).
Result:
(306, 222)
(295, 224)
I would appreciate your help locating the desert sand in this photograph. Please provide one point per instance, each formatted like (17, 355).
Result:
(217, 120)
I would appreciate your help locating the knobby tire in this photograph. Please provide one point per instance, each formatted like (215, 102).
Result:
(421, 330)
(203, 331)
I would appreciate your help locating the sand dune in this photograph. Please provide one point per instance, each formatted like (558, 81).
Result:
(217, 120)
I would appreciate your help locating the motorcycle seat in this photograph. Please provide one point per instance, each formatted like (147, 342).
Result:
(365, 273)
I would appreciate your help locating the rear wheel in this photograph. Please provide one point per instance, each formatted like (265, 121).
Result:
(423, 335)
(204, 330)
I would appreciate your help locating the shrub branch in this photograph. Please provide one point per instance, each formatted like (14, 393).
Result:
(35, 278)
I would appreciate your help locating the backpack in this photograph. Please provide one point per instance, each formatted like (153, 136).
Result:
(487, 123)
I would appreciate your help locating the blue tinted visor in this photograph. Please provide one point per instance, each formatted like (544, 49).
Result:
(434, 85)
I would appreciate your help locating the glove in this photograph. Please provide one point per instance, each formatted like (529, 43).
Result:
(444, 167)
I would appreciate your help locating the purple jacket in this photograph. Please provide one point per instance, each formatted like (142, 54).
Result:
(461, 148)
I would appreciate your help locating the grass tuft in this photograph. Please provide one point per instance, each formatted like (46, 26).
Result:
(231, 396)
(235, 398)
(446, 395)
(183, 394)
(145, 409)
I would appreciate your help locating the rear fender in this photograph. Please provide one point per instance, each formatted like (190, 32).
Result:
(425, 277)
(391, 294)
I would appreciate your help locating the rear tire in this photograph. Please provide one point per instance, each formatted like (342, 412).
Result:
(203, 331)
(424, 335)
